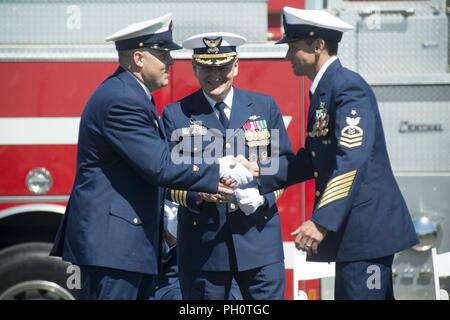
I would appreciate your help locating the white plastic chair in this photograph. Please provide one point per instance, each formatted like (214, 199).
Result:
(441, 268)
(305, 270)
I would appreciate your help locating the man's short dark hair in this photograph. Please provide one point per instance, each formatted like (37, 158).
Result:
(332, 46)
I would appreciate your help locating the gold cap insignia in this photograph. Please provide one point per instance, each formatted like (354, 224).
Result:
(212, 44)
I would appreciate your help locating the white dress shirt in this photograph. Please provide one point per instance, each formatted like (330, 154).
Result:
(228, 102)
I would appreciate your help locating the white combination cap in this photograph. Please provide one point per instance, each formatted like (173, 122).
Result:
(155, 33)
(299, 23)
(214, 48)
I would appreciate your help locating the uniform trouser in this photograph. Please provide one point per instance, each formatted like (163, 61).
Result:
(171, 290)
(364, 280)
(99, 283)
(263, 283)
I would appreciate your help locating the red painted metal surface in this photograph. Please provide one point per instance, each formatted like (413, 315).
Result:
(17, 161)
(277, 5)
(275, 12)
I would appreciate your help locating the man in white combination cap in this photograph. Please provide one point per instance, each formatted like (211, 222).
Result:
(224, 239)
(112, 226)
(360, 219)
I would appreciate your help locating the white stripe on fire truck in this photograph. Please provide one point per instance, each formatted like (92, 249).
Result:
(47, 130)
(53, 198)
(39, 130)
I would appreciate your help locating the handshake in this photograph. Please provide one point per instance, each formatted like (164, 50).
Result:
(235, 173)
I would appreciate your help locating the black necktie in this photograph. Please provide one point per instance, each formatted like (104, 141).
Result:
(310, 95)
(220, 106)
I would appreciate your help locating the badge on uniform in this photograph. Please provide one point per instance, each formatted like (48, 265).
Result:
(195, 129)
(321, 123)
(256, 132)
(352, 134)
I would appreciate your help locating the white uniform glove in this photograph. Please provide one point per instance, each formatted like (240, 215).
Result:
(238, 173)
(249, 200)
(171, 218)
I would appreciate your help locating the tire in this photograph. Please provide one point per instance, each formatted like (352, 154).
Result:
(27, 272)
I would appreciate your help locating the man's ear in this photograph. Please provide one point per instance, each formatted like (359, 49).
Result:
(319, 45)
(138, 58)
(236, 67)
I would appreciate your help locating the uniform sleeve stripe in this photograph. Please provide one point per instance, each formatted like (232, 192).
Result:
(339, 179)
(338, 183)
(333, 194)
(181, 197)
(337, 197)
(278, 193)
(337, 188)
(184, 198)
(351, 140)
(177, 196)
(350, 145)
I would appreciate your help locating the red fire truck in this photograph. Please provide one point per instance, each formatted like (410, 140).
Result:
(52, 57)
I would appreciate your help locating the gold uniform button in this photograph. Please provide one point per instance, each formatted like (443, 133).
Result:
(195, 168)
(316, 174)
(313, 154)
(135, 220)
(317, 193)
(232, 206)
(228, 145)
(265, 218)
(194, 223)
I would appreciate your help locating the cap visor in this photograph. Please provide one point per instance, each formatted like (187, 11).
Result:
(282, 40)
(173, 46)
(168, 46)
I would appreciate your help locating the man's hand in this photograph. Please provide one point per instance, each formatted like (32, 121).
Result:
(213, 197)
(308, 237)
(237, 172)
(226, 187)
(250, 166)
(249, 200)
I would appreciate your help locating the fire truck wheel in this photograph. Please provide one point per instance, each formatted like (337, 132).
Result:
(27, 272)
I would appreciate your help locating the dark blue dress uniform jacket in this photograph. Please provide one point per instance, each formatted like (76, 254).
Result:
(113, 218)
(357, 197)
(209, 232)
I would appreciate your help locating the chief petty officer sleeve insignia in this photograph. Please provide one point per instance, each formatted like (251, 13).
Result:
(337, 188)
(351, 134)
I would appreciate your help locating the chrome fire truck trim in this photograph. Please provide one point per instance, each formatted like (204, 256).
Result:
(52, 208)
(16, 199)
